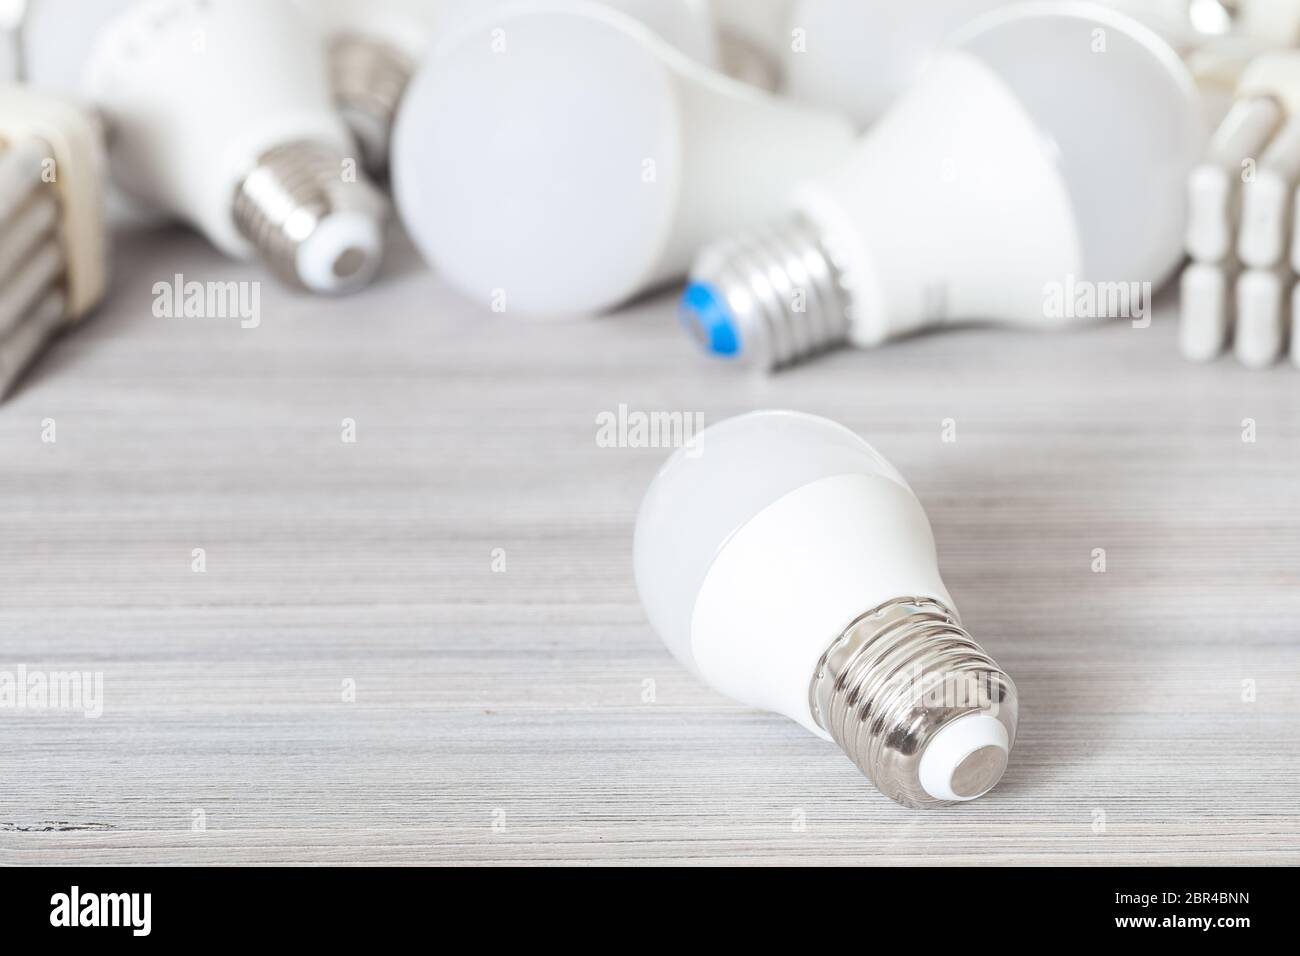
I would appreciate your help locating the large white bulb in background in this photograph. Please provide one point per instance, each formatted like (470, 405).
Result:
(687, 25)
(1046, 155)
(219, 114)
(788, 565)
(376, 46)
(858, 56)
(1184, 24)
(561, 157)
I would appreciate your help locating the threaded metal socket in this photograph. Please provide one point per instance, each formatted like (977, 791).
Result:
(780, 289)
(316, 226)
(368, 78)
(898, 679)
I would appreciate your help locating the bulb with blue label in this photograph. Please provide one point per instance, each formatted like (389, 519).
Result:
(991, 190)
(788, 565)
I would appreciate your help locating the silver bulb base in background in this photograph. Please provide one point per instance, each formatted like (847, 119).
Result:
(895, 678)
(743, 60)
(368, 78)
(784, 288)
(312, 218)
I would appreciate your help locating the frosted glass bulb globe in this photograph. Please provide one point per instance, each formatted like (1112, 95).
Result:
(376, 45)
(219, 114)
(560, 157)
(858, 56)
(1043, 157)
(789, 566)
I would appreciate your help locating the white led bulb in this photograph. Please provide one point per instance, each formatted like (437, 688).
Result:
(376, 46)
(789, 566)
(219, 114)
(993, 190)
(561, 157)
(858, 56)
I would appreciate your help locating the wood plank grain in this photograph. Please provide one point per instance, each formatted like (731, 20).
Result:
(504, 717)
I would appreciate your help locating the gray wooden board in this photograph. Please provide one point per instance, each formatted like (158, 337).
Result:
(531, 715)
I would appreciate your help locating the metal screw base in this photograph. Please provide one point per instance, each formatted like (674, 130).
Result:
(368, 78)
(785, 289)
(893, 679)
(294, 190)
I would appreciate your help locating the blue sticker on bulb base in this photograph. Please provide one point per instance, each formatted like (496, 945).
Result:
(709, 320)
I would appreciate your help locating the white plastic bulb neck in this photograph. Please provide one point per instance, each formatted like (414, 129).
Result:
(890, 244)
(219, 114)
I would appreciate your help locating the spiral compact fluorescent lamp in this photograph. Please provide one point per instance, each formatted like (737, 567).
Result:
(1244, 232)
(52, 238)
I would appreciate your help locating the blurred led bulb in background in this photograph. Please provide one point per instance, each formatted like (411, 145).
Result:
(858, 56)
(376, 45)
(687, 25)
(789, 566)
(219, 113)
(1046, 154)
(1182, 23)
(592, 159)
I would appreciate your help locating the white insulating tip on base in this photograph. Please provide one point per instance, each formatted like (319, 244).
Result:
(965, 759)
(341, 254)
(314, 227)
